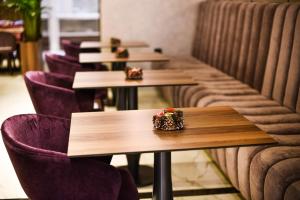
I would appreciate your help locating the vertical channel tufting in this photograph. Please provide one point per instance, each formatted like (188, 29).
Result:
(298, 102)
(231, 163)
(224, 34)
(264, 43)
(275, 43)
(207, 28)
(202, 30)
(231, 35)
(245, 42)
(220, 27)
(237, 39)
(214, 24)
(285, 53)
(293, 80)
(197, 36)
(254, 41)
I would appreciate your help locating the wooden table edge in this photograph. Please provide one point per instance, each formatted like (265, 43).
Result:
(141, 45)
(269, 141)
(114, 46)
(134, 86)
(266, 140)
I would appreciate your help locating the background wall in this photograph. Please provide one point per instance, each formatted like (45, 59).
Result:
(167, 24)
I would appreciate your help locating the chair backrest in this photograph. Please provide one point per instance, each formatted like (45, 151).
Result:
(49, 97)
(36, 144)
(8, 40)
(37, 133)
(71, 48)
(59, 64)
(65, 65)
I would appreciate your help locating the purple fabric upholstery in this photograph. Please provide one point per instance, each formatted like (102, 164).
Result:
(71, 48)
(69, 65)
(37, 147)
(65, 65)
(52, 94)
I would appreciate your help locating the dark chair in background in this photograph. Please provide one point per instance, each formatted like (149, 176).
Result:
(37, 146)
(71, 48)
(8, 46)
(67, 66)
(52, 94)
(72, 51)
(64, 65)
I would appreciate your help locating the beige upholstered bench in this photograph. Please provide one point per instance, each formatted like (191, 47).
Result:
(247, 55)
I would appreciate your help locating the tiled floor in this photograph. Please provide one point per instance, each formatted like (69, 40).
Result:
(190, 169)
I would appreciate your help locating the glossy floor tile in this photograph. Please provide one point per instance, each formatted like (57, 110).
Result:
(190, 169)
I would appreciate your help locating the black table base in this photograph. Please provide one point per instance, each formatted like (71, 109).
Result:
(162, 187)
(127, 99)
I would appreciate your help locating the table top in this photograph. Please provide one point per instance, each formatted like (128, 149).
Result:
(107, 44)
(111, 79)
(111, 57)
(119, 132)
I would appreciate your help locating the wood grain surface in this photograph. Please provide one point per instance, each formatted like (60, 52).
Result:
(119, 132)
(107, 57)
(107, 44)
(110, 79)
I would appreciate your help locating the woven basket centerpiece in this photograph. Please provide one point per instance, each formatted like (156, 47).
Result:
(169, 119)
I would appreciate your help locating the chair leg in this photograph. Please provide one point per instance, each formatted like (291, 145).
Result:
(9, 65)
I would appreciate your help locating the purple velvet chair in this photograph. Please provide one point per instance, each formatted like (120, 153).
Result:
(64, 65)
(71, 48)
(68, 66)
(52, 94)
(37, 146)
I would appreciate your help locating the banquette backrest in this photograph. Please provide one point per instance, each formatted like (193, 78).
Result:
(257, 43)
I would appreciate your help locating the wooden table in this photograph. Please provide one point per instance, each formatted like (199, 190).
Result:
(107, 44)
(127, 99)
(132, 132)
(117, 79)
(111, 57)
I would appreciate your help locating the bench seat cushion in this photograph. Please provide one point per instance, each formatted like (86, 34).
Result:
(250, 45)
(281, 122)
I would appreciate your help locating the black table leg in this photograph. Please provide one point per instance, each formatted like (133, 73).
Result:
(132, 98)
(162, 187)
(143, 175)
(116, 67)
(121, 98)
